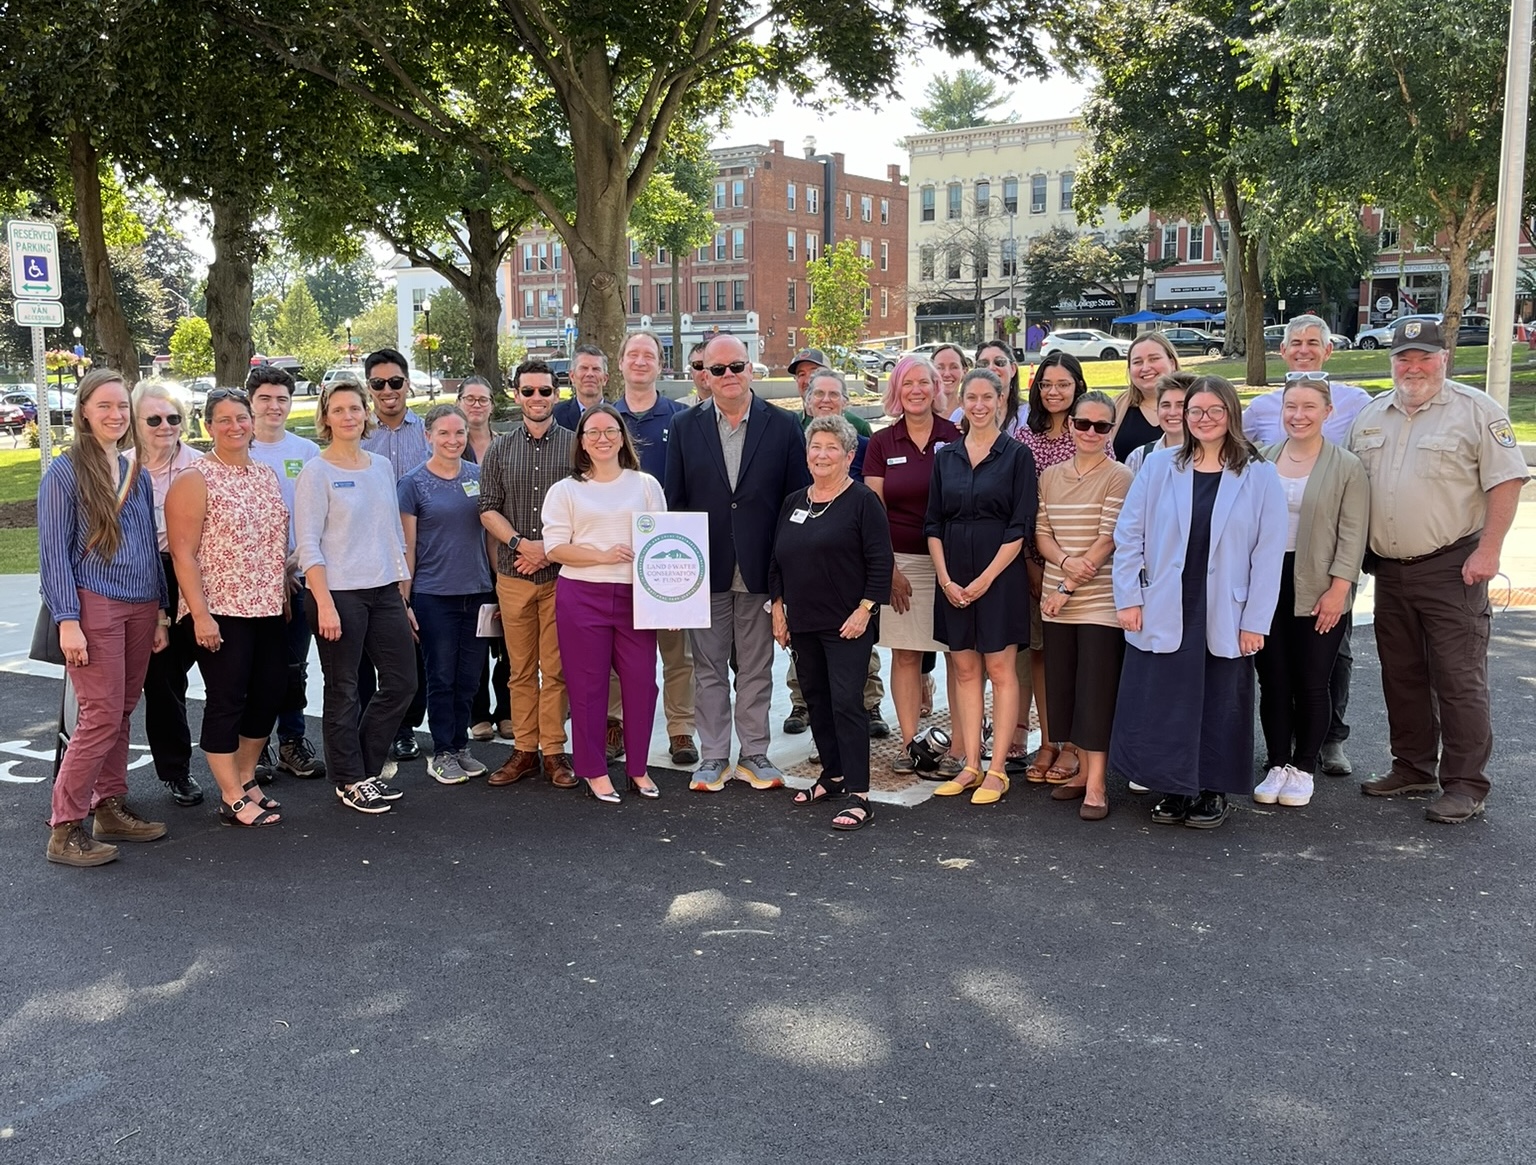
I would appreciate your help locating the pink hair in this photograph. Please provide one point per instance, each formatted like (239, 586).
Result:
(892, 401)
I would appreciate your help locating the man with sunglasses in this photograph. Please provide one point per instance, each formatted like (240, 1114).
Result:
(519, 468)
(735, 458)
(402, 438)
(696, 370)
(648, 415)
(271, 393)
(1307, 344)
(589, 377)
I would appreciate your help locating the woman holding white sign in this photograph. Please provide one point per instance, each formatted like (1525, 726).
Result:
(587, 522)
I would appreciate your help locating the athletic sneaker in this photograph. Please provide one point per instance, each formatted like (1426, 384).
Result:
(1135, 788)
(710, 776)
(386, 790)
(297, 757)
(759, 772)
(266, 769)
(1269, 788)
(469, 764)
(363, 796)
(445, 769)
(1298, 788)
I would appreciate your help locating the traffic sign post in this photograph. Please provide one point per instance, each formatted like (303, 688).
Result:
(37, 286)
(39, 313)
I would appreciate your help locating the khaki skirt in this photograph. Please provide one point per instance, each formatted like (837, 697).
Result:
(913, 631)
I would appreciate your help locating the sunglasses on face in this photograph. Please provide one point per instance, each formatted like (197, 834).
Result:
(527, 392)
(1083, 424)
(171, 419)
(735, 366)
(380, 383)
(696, 365)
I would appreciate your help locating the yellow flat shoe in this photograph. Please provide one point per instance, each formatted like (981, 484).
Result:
(956, 787)
(985, 796)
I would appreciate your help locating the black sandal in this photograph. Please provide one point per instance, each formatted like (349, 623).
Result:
(859, 814)
(230, 815)
(253, 793)
(825, 789)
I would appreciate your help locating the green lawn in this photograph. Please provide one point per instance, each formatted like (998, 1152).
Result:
(18, 551)
(18, 475)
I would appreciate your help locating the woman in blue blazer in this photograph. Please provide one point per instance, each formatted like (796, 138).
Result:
(1198, 551)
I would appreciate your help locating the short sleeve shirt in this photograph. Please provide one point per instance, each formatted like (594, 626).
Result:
(907, 472)
(450, 542)
(1430, 471)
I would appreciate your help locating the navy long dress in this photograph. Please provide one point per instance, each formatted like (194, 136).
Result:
(1184, 719)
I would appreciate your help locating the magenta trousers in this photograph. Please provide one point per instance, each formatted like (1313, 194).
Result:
(596, 624)
(119, 639)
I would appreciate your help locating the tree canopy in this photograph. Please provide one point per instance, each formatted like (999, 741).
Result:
(959, 102)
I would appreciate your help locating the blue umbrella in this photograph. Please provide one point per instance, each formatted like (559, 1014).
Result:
(1141, 317)
(1219, 318)
(1191, 315)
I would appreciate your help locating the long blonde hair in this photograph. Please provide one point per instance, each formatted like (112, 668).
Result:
(96, 485)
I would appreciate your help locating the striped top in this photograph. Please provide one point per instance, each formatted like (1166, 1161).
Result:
(66, 567)
(1077, 513)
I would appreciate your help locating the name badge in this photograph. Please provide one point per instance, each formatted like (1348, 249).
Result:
(292, 467)
(471, 489)
(799, 516)
(896, 460)
(343, 484)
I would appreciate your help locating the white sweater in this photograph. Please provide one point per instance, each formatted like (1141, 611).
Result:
(597, 513)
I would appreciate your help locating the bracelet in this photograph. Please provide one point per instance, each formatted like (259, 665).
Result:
(1062, 564)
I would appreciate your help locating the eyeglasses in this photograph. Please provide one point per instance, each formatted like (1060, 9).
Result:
(541, 391)
(1083, 424)
(1214, 413)
(696, 365)
(602, 434)
(476, 400)
(380, 383)
(1314, 376)
(735, 366)
(171, 419)
(219, 394)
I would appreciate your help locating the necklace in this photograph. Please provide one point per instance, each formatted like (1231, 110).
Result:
(1299, 460)
(214, 453)
(826, 505)
(1082, 473)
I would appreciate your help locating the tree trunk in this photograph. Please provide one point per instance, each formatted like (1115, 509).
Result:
(235, 246)
(479, 291)
(102, 304)
(1232, 270)
(597, 237)
(1253, 313)
(677, 319)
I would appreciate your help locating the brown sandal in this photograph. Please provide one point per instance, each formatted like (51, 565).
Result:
(1059, 773)
(1039, 768)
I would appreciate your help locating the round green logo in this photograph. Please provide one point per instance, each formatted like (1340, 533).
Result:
(670, 567)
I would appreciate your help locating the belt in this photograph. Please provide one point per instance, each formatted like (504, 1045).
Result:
(1460, 544)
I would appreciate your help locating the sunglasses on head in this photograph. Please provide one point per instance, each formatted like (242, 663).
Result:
(541, 391)
(735, 366)
(1083, 424)
(219, 394)
(380, 383)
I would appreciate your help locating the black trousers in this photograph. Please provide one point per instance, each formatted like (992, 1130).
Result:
(1294, 669)
(1082, 680)
(246, 679)
(1338, 682)
(165, 693)
(372, 621)
(290, 716)
(493, 698)
(832, 671)
(368, 684)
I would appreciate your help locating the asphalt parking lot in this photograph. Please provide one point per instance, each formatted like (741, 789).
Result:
(525, 975)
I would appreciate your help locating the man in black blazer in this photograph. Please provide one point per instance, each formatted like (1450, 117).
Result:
(736, 458)
(589, 377)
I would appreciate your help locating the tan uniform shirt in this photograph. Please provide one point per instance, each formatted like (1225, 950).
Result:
(1430, 472)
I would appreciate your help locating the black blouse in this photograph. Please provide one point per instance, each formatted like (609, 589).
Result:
(823, 566)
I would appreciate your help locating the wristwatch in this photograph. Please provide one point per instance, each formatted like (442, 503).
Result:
(1061, 589)
(515, 541)
(868, 605)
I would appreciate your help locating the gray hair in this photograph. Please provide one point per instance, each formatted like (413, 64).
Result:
(845, 433)
(170, 392)
(1298, 324)
(824, 374)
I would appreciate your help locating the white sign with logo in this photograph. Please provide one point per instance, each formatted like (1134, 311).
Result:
(34, 259)
(671, 570)
(1384, 303)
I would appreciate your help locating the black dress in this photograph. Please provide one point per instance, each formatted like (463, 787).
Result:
(1134, 431)
(974, 512)
(1184, 719)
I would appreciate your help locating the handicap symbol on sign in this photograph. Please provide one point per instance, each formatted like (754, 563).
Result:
(37, 267)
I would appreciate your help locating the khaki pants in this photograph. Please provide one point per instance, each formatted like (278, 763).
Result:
(537, 683)
(676, 684)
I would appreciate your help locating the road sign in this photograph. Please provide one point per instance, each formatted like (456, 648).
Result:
(34, 260)
(39, 313)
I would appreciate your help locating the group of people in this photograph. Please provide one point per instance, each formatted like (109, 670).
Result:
(1136, 568)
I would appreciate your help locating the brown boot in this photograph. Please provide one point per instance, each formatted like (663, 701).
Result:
(557, 767)
(116, 822)
(70, 845)
(518, 766)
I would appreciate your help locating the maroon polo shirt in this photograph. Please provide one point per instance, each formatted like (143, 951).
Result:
(906, 470)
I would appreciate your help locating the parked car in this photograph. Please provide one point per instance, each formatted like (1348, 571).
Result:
(759, 371)
(24, 401)
(878, 359)
(13, 418)
(1086, 344)
(1193, 342)
(933, 346)
(344, 372)
(1274, 334)
(1474, 330)
(61, 406)
(1382, 337)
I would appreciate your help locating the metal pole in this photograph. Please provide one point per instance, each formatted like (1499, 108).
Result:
(44, 412)
(1501, 305)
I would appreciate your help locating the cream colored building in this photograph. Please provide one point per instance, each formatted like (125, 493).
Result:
(977, 198)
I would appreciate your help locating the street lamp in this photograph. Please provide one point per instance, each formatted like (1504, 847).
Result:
(426, 311)
(349, 343)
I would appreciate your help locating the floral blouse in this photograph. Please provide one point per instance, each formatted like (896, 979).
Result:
(245, 540)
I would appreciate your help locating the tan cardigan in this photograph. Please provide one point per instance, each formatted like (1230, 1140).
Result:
(1335, 511)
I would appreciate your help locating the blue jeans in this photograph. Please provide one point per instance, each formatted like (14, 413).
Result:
(454, 659)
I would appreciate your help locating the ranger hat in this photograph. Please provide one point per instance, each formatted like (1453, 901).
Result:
(1418, 336)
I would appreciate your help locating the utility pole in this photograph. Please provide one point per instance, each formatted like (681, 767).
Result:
(1506, 241)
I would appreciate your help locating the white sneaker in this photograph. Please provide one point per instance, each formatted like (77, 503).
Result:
(1135, 788)
(1274, 781)
(1298, 788)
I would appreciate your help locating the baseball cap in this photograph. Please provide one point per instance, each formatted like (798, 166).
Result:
(809, 355)
(1418, 336)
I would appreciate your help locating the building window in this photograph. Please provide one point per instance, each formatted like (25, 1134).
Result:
(1068, 182)
(885, 211)
(1009, 254)
(982, 261)
(812, 203)
(865, 249)
(558, 255)
(790, 299)
(1037, 194)
(719, 195)
(847, 205)
(868, 299)
(661, 257)
(703, 297)
(953, 195)
(530, 304)
(789, 195)
(554, 303)
(791, 338)
(704, 253)
(927, 203)
(811, 245)
(983, 199)
(1387, 240)
(720, 252)
(720, 295)
(1223, 238)
(866, 208)
(925, 262)
(1010, 196)
(1170, 242)
(885, 302)
(790, 242)
(661, 298)
(1197, 243)
(738, 243)
(634, 299)
(739, 295)
(952, 263)
(738, 193)
(885, 255)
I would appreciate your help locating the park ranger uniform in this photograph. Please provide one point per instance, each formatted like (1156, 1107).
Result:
(1430, 473)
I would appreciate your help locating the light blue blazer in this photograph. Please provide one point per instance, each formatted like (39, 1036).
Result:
(1242, 585)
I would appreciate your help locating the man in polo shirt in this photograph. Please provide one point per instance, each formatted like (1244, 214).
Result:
(1446, 474)
(1306, 347)
(589, 377)
(648, 416)
(519, 468)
